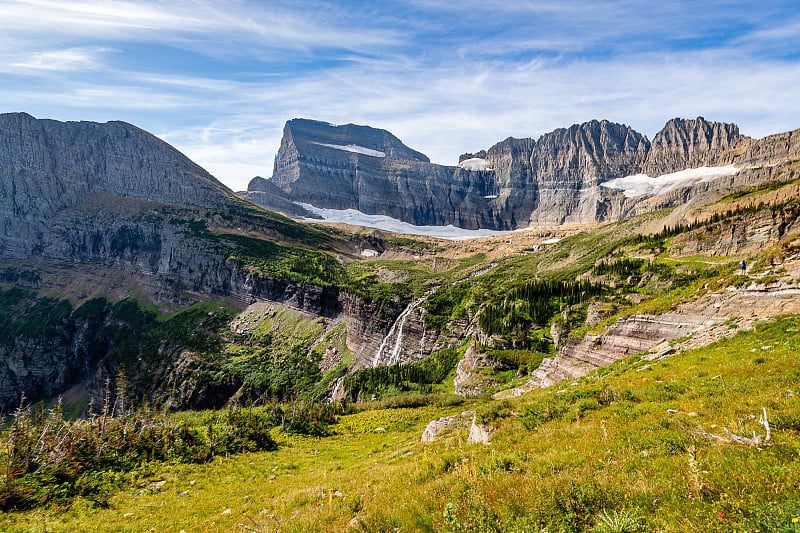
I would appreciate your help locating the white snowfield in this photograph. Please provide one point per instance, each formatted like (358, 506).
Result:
(641, 184)
(476, 163)
(353, 148)
(387, 223)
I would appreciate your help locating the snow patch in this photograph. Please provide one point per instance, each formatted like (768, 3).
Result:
(551, 241)
(490, 196)
(475, 163)
(387, 223)
(641, 184)
(353, 148)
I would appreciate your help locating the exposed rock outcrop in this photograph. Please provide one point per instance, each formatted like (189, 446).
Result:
(44, 365)
(745, 235)
(627, 337)
(694, 143)
(266, 194)
(436, 428)
(115, 201)
(469, 381)
(46, 165)
(480, 433)
(548, 181)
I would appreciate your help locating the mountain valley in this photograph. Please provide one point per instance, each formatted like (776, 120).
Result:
(593, 351)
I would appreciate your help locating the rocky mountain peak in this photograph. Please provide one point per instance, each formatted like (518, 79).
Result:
(47, 164)
(686, 143)
(349, 137)
(480, 154)
(552, 180)
(590, 152)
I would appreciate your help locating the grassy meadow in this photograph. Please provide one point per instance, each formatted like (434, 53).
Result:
(621, 451)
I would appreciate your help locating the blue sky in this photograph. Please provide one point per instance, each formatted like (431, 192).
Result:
(219, 79)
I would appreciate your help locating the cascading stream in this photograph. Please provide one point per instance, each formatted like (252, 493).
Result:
(398, 326)
(335, 389)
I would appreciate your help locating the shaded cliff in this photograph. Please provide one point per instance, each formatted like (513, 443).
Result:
(108, 209)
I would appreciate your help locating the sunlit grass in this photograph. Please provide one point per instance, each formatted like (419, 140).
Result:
(624, 454)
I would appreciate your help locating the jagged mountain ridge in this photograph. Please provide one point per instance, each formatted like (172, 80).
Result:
(549, 181)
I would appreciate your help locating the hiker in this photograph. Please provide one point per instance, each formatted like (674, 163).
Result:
(743, 266)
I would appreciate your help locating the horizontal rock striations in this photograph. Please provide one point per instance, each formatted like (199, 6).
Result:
(357, 167)
(515, 183)
(46, 165)
(627, 337)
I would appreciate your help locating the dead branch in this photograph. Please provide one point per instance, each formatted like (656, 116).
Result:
(700, 432)
(754, 442)
(757, 440)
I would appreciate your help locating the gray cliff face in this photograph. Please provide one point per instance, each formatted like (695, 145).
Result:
(773, 149)
(689, 144)
(266, 194)
(371, 170)
(552, 180)
(109, 209)
(46, 365)
(569, 165)
(46, 165)
(54, 174)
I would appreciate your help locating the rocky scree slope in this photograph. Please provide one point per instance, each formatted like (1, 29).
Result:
(549, 181)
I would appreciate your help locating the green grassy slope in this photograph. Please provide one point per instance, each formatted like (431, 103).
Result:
(606, 450)
(624, 449)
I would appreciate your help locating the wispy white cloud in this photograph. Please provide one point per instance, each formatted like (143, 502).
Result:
(69, 59)
(464, 109)
(220, 79)
(199, 24)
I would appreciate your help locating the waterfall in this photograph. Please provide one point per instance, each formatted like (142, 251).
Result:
(335, 389)
(398, 326)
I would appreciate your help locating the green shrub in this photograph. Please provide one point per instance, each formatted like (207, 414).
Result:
(518, 358)
(408, 401)
(570, 506)
(305, 418)
(786, 421)
(774, 517)
(584, 405)
(487, 413)
(544, 410)
(50, 460)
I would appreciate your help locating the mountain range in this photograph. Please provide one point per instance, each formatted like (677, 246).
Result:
(552, 180)
(102, 225)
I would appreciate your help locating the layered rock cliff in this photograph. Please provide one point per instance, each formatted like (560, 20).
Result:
(368, 169)
(515, 183)
(109, 209)
(47, 165)
(695, 143)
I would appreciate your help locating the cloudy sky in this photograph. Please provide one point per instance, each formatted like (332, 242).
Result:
(218, 79)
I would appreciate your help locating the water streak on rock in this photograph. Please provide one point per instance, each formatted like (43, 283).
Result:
(398, 326)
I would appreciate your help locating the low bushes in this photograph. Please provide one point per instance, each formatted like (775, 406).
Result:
(46, 459)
